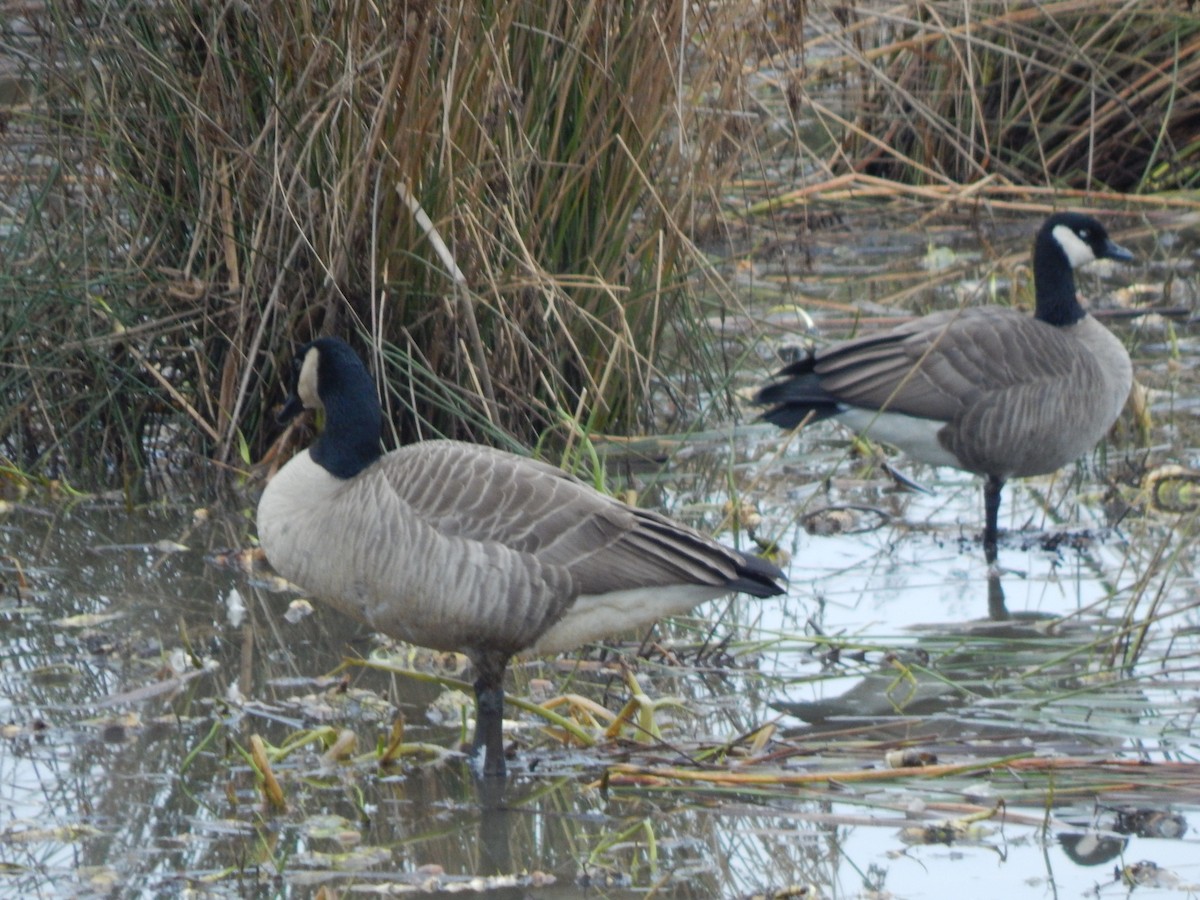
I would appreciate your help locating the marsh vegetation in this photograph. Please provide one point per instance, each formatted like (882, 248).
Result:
(587, 229)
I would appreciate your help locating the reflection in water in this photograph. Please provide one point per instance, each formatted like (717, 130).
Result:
(495, 827)
(983, 688)
(1087, 848)
(997, 611)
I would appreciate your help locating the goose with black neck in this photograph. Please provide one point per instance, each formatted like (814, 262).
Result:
(985, 389)
(462, 547)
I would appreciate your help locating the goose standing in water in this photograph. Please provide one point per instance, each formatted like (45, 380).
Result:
(985, 389)
(461, 547)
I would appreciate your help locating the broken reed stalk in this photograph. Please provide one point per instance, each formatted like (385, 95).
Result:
(268, 783)
(1122, 774)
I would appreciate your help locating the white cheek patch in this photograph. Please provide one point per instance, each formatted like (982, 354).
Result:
(306, 385)
(1078, 251)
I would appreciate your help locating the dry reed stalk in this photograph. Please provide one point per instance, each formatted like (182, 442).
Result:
(251, 160)
(1087, 95)
(223, 184)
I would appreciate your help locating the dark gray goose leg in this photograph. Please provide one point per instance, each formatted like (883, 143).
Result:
(991, 512)
(489, 713)
(997, 610)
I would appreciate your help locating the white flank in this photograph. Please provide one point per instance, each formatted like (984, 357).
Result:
(916, 437)
(594, 616)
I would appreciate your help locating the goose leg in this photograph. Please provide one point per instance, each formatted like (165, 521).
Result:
(992, 486)
(489, 714)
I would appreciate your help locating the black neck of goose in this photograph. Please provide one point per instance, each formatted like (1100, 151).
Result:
(1054, 283)
(353, 423)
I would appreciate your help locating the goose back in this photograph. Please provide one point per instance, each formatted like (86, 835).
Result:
(1002, 393)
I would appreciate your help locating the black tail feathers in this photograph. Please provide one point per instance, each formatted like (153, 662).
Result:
(758, 578)
(795, 395)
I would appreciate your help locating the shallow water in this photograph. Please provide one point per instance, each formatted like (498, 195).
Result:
(139, 660)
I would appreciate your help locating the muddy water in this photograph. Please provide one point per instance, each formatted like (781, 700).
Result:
(139, 659)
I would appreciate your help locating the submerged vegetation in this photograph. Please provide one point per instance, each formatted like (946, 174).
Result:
(505, 200)
(169, 726)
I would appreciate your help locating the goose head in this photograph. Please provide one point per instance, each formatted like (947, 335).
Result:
(328, 376)
(1065, 242)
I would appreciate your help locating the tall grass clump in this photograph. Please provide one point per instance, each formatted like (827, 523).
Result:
(1095, 96)
(495, 196)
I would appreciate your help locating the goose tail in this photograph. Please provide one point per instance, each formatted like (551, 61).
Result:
(758, 578)
(795, 395)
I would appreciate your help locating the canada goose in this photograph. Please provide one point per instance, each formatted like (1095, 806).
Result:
(461, 547)
(985, 389)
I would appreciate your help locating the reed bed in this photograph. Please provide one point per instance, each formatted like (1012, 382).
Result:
(504, 203)
(1090, 96)
(493, 196)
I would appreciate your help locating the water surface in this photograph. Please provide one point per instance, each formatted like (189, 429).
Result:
(140, 658)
